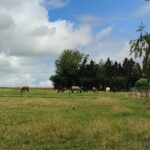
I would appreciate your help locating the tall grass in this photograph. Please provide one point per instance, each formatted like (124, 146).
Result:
(81, 122)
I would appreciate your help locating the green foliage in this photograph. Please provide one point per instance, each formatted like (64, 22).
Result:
(119, 82)
(58, 80)
(141, 48)
(69, 62)
(131, 71)
(67, 67)
(142, 83)
(73, 68)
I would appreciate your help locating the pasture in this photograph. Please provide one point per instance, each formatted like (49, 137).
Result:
(45, 119)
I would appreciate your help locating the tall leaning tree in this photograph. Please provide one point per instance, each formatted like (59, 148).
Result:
(141, 48)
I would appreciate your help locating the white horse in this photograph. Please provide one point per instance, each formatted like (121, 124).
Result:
(76, 88)
(107, 89)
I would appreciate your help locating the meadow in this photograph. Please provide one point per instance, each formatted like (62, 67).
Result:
(46, 120)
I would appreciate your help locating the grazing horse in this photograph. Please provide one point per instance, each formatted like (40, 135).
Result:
(76, 88)
(94, 89)
(107, 89)
(25, 88)
(114, 89)
(84, 89)
(61, 89)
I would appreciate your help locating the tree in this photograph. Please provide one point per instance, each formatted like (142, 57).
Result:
(58, 80)
(132, 72)
(67, 67)
(90, 75)
(108, 72)
(141, 48)
(115, 68)
(119, 83)
(73, 68)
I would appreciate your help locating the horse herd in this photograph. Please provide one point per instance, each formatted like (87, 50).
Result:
(80, 89)
(72, 89)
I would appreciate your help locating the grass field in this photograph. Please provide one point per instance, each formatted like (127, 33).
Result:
(45, 120)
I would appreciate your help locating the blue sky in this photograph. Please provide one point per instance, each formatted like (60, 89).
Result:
(120, 13)
(124, 16)
(33, 33)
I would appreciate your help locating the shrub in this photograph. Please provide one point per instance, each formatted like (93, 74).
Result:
(142, 83)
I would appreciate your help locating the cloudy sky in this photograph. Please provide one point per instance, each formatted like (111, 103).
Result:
(34, 32)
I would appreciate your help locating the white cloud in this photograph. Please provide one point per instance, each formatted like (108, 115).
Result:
(106, 45)
(104, 33)
(28, 37)
(20, 71)
(46, 83)
(53, 4)
(13, 80)
(90, 19)
(143, 10)
(26, 30)
(115, 49)
(94, 20)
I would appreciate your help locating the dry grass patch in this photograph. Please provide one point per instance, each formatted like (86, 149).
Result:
(140, 126)
(105, 101)
(45, 102)
(37, 134)
(53, 128)
(121, 109)
(102, 134)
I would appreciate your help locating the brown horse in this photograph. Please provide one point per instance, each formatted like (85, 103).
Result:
(25, 88)
(94, 89)
(61, 89)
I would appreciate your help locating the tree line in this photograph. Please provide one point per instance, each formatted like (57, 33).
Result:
(75, 68)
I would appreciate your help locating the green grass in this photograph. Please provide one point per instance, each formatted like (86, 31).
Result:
(45, 120)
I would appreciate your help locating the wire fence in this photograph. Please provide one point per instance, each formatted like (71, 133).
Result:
(143, 93)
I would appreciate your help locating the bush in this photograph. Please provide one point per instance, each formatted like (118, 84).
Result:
(142, 83)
